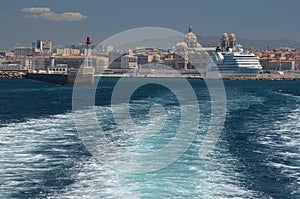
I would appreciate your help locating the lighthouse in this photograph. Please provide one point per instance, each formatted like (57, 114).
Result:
(88, 61)
(86, 72)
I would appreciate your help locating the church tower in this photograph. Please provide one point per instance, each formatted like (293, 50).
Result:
(232, 42)
(224, 42)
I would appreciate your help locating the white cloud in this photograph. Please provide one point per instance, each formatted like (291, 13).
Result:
(36, 10)
(46, 13)
(66, 16)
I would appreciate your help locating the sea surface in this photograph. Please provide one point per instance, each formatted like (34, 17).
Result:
(257, 154)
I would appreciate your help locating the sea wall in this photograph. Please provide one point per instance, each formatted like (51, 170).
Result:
(255, 78)
(88, 79)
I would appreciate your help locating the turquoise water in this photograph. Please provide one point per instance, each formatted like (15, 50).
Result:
(257, 154)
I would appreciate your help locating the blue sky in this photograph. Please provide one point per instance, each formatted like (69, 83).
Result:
(70, 21)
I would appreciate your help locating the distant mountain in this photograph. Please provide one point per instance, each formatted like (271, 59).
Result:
(213, 40)
(252, 43)
(165, 43)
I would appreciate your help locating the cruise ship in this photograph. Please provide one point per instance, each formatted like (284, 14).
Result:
(233, 62)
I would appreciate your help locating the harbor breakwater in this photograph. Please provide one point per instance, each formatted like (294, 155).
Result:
(12, 74)
(259, 78)
(69, 79)
(63, 79)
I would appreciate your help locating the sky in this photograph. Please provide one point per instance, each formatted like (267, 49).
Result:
(70, 21)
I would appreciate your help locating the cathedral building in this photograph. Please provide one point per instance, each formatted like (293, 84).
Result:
(190, 54)
(228, 42)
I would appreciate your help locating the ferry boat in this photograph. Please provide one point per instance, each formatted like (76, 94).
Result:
(229, 63)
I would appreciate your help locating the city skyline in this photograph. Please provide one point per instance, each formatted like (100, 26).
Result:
(71, 21)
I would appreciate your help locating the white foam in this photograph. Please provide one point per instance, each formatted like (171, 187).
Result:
(189, 177)
(212, 177)
(27, 151)
(284, 140)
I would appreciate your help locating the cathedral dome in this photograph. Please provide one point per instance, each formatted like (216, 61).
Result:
(181, 45)
(191, 39)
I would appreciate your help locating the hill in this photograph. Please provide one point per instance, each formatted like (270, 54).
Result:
(252, 43)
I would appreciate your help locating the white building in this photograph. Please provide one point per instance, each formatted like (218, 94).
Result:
(100, 62)
(22, 51)
(2, 59)
(44, 46)
(12, 67)
(129, 60)
(109, 49)
(27, 63)
(67, 51)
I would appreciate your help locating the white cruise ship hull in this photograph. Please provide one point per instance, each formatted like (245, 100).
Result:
(233, 64)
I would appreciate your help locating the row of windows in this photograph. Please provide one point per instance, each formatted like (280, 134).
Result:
(233, 60)
(254, 63)
(57, 69)
(246, 58)
(234, 66)
(242, 63)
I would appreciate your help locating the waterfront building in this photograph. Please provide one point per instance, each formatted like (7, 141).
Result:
(297, 63)
(13, 67)
(281, 65)
(104, 49)
(2, 59)
(67, 51)
(143, 58)
(108, 49)
(22, 51)
(27, 63)
(114, 58)
(98, 62)
(43, 46)
(281, 59)
(72, 62)
(7, 53)
(129, 60)
(40, 63)
(169, 59)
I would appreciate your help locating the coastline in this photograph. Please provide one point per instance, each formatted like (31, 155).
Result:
(259, 77)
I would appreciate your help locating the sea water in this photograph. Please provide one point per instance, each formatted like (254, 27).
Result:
(257, 154)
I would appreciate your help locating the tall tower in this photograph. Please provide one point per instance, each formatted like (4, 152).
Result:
(86, 72)
(191, 39)
(232, 42)
(190, 28)
(88, 61)
(224, 41)
(33, 48)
